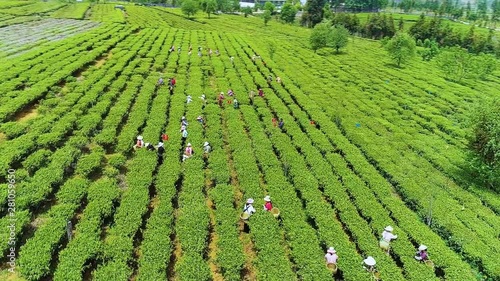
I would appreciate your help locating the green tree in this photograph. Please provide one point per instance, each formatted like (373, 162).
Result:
(495, 8)
(401, 24)
(247, 11)
(268, 6)
(431, 50)
(208, 6)
(266, 16)
(313, 12)
(401, 48)
(288, 12)
(189, 7)
(456, 63)
(484, 65)
(468, 10)
(339, 37)
(482, 8)
(319, 36)
(484, 143)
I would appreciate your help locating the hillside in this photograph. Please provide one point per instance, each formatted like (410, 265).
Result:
(364, 145)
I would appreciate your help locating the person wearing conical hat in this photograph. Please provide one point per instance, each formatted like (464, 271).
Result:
(331, 256)
(268, 205)
(422, 253)
(369, 264)
(249, 209)
(387, 236)
(206, 147)
(139, 142)
(220, 99)
(188, 152)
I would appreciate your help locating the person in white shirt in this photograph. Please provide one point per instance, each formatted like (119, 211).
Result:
(249, 209)
(206, 147)
(387, 236)
(331, 256)
(369, 264)
(189, 99)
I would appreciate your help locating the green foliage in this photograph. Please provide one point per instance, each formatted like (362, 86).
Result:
(271, 48)
(320, 36)
(36, 160)
(339, 37)
(117, 160)
(208, 6)
(189, 7)
(456, 63)
(401, 48)
(288, 12)
(90, 163)
(247, 11)
(431, 50)
(484, 143)
(326, 35)
(266, 16)
(495, 7)
(313, 12)
(268, 6)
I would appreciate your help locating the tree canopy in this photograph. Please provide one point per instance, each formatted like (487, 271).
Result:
(401, 48)
(288, 12)
(266, 16)
(189, 7)
(326, 35)
(484, 143)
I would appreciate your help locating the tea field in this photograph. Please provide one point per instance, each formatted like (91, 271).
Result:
(364, 145)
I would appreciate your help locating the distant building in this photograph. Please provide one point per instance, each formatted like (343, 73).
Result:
(251, 3)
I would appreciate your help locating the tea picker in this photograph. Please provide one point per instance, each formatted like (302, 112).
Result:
(206, 147)
(369, 265)
(160, 82)
(281, 124)
(331, 258)
(188, 152)
(139, 143)
(387, 236)
(268, 205)
(248, 210)
(423, 256)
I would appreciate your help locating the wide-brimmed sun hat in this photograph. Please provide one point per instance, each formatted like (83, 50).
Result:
(388, 228)
(422, 248)
(331, 250)
(189, 144)
(139, 137)
(267, 198)
(160, 144)
(206, 143)
(249, 201)
(370, 261)
(183, 117)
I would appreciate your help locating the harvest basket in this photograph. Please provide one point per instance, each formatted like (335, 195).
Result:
(244, 216)
(275, 212)
(332, 267)
(384, 245)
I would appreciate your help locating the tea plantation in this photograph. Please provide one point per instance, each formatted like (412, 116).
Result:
(365, 144)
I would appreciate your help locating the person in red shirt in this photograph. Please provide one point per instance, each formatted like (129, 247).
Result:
(164, 137)
(261, 92)
(275, 122)
(268, 206)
